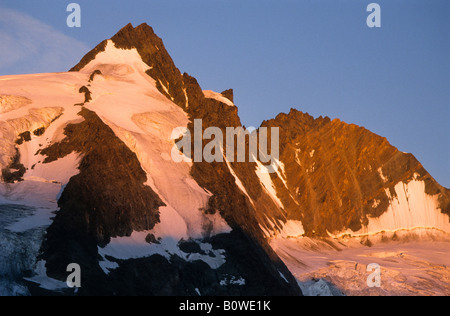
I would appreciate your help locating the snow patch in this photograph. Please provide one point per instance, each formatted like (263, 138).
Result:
(292, 229)
(411, 208)
(232, 280)
(186, 97)
(136, 246)
(266, 182)
(44, 280)
(281, 172)
(380, 172)
(297, 157)
(107, 265)
(238, 182)
(283, 277)
(318, 288)
(217, 96)
(376, 203)
(40, 189)
(115, 61)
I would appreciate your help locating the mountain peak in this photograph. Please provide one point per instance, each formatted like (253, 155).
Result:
(136, 37)
(142, 38)
(152, 51)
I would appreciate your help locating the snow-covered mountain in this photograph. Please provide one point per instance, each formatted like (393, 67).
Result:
(88, 177)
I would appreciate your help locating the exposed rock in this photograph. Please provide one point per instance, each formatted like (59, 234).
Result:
(107, 198)
(151, 239)
(110, 185)
(39, 132)
(90, 56)
(335, 171)
(229, 94)
(23, 137)
(190, 246)
(15, 171)
(87, 94)
(227, 198)
(94, 73)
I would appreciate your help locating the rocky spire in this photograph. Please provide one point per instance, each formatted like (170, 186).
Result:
(150, 47)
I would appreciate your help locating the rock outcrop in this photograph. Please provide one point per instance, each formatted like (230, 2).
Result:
(339, 176)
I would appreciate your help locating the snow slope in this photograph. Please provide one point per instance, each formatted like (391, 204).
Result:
(410, 208)
(51, 106)
(33, 102)
(217, 96)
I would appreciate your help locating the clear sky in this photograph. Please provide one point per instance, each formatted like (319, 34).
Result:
(318, 56)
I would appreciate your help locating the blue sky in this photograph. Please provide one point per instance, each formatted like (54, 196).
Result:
(318, 56)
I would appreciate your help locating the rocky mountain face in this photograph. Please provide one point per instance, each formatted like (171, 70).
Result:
(339, 176)
(139, 223)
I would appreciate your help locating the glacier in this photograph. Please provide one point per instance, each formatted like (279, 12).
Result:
(19, 249)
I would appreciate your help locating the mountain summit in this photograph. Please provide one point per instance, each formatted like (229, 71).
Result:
(153, 53)
(88, 171)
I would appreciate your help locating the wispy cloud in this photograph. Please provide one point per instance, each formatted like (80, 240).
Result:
(28, 45)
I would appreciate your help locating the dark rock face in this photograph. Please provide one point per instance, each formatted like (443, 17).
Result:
(90, 56)
(242, 274)
(107, 198)
(87, 94)
(15, 171)
(93, 74)
(151, 239)
(229, 94)
(227, 198)
(23, 137)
